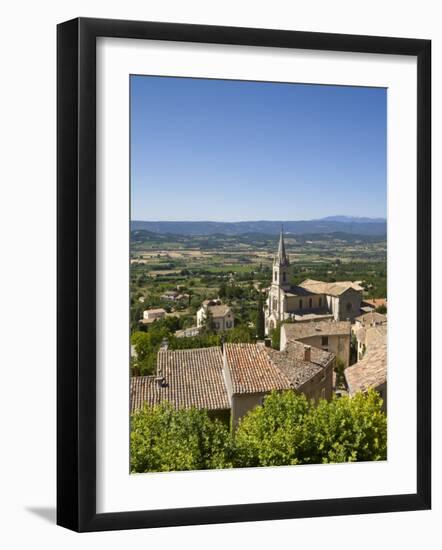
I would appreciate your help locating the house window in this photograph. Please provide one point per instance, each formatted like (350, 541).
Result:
(310, 303)
(348, 306)
(324, 341)
(320, 302)
(300, 304)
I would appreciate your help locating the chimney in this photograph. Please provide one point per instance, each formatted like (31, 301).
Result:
(160, 382)
(307, 353)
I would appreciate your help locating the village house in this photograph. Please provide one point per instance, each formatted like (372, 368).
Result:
(151, 315)
(228, 382)
(221, 315)
(370, 319)
(311, 299)
(171, 296)
(332, 336)
(364, 336)
(371, 369)
(189, 332)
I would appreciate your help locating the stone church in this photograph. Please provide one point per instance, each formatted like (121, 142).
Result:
(311, 300)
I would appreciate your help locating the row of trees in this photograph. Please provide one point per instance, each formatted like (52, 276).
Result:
(286, 430)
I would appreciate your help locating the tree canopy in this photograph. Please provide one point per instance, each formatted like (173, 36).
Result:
(287, 429)
(164, 439)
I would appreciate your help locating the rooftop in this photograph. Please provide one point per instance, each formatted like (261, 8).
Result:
(373, 317)
(371, 371)
(333, 289)
(219, 311)
(192, 378)
(297, 331)
(291, 362)
(375, 302)
(252, 371)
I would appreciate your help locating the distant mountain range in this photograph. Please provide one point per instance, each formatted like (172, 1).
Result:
(331, 224)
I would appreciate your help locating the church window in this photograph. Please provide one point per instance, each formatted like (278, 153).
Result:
(283, 276)
(276, 276)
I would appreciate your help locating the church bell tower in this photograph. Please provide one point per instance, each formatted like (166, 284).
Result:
(281, 266)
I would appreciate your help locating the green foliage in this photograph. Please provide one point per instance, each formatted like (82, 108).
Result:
(163, 439)
(200, 341)
(276, 336)
(208, 326)
(353, 349)
(288, 429)
(241, 334)
(339, 370)
(273, 434)
(382, 309)
(260, 328)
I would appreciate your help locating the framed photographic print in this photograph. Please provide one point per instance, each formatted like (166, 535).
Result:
(241, 215)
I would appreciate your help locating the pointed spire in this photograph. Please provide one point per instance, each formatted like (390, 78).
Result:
(281, 257)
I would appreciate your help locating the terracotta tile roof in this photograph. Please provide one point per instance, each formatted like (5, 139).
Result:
(252, 371)
(291, 362)
(371, 370)
(297, 331)
(376, 302)
(192, 378)
(333, 289)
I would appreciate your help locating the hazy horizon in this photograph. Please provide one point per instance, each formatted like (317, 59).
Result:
(274, 220)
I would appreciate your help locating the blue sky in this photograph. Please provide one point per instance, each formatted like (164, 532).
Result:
(233, 150)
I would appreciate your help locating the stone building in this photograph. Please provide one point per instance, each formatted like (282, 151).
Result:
(332, 336)
(370, 319)
(366, 337)
(228, 382)
(221, 315)
(151, 315)
(371, 370)
(311, 299)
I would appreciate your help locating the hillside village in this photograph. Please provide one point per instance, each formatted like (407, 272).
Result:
(321, 339)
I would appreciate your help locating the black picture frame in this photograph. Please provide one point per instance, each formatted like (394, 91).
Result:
(76, 273)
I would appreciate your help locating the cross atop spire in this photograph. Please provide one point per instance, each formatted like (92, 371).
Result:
(281, 257)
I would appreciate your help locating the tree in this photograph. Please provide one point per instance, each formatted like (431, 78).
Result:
(276, 336)
(241, 334)
(222, 290)
(382, 309)
(260, 329)
(339, 370)
(288, 429)
(353, 349)
(207, 327)
(163, 439)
